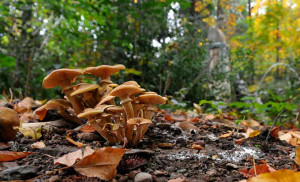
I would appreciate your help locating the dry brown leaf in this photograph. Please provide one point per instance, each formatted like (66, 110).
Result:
(168, 118)
(250, 123)
(197, 147)
(226, 135)
(10, 156)
(240, 141)
(87, 128)
(251, 133)
(38, 145)
(263, 168)
(297, 157)
(274, 132)
(69, 139)
(25, 105)
(102, 163)
(165, 145)
(286, 137)
(282, 175)
(187, 126)
(209, 117)
(69, 159)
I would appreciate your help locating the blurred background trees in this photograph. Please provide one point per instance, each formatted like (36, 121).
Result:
(163, 43)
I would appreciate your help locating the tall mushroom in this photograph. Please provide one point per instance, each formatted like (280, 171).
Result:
(64, 78)
(8, 121)
(104, 71)
(124, 92)
(151, 100)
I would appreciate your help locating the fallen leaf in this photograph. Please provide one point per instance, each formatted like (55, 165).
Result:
(209, 117)
(282, 175)
(240, 141)
(25, 105)
(250, 123)
(34, 133)
(102, 163)
(69, 139)
(274, 132)
(263, 168)
(10, 156)
(38, 145)
(186, 126)
(226, 135)
(87, 128)
(251, 133)
(297, 156)
(69, 159)
(197, 147)
(286, 137)
(168, 118)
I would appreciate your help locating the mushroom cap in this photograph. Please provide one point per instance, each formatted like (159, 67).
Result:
(125, 90)
(40, 113)
(93, 111)
(134, 83)
(8, 120)
(8, 117)
(115, 109)
(83, 87)
(104, 71)
(138, 120)
(106, 99)
(146, 93)
(152, 99)
(61, 77)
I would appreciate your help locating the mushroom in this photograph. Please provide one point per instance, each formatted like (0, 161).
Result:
(9, 120)
(61, 105)
(124, 92)
(86, 90)
(64, 78)
(151, 100)
(104, 71)
(92, 115)
(134, 83)
(141, 128)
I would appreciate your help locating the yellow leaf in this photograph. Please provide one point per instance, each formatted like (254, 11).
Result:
(251, 133)
(34, 133)
(282, 175)
(297, 157)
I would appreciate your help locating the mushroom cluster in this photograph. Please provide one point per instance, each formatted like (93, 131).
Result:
(125, 121)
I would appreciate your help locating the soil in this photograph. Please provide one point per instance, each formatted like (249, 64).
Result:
(165, 152)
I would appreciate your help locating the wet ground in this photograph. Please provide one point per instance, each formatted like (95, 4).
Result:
(165, 152)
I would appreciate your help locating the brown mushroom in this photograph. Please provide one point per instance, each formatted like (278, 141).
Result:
(8, 121)
(151, 100)
(88, 92)
(134, 83)
(124, 92)
(141, 126)
(64, 78)
(104, 71)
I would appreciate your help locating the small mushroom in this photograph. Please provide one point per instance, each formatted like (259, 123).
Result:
(141, 126)
(9, 120)
(104, 71)
(124, 92)
(134, 83)
(64, 78)
(151, 100)
(87, 90)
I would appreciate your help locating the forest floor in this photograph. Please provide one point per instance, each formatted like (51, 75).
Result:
(207, 149)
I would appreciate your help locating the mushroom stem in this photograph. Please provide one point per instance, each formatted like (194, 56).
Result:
(129, 132)
(103, 133)
(128, 109)
(77, 106)
(68, 117)
(150, 112)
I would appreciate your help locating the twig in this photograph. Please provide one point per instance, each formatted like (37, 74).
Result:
(254, 166)
(274, 123)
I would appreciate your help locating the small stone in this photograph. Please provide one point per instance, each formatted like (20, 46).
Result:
(211, 172)
(231, 166)
(143, 177)
(181, 141)
(54, 178)
(170, 169)
(181, 170)
(88, 136)
(19, 172)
